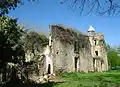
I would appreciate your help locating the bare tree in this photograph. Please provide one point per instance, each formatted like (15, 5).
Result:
(98, 7)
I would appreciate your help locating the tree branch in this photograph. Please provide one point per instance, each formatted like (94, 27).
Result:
(100, 7)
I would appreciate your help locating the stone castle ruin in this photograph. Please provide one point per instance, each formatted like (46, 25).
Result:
(71, 51)
(68, 51)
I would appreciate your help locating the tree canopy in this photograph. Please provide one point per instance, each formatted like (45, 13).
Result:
(6, 5)
(113, 57)
(10, 44)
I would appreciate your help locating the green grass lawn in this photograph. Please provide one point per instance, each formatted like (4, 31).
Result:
(98, 79)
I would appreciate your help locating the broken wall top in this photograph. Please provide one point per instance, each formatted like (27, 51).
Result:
(69, 35)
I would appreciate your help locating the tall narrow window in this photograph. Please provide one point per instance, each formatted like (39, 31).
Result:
(76, 47)
(96, 53)
(95, 42)
(49, 69)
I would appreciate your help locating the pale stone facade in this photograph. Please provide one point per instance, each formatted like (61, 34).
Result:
(71, 51)
(98, 50)
(48, 62)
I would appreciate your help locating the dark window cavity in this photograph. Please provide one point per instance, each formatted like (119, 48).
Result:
(96, 53)
(95, 41)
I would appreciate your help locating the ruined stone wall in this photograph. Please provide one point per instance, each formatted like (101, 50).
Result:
(48, 61)
(62, 55)
(70, 50)
(34, 71)
(99, 52)
(35, 58)
(62, 52)
(86, 60)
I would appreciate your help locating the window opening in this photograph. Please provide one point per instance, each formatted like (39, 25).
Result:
(76, 63)
(96, 52)
(49, 69)
(95, 42)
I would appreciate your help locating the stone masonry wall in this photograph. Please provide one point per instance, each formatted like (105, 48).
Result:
(99, 52)
(70, 50)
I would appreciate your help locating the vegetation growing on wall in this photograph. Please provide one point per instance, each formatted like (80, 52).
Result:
(69, 35)
(35, 43)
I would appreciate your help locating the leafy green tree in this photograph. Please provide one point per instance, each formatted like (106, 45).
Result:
(10, 43)
(118, 50)
(44, 40)
(6, 5)
(113, 57)
(11, 49)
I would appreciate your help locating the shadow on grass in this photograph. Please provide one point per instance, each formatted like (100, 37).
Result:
(49, 84)
(18, 84)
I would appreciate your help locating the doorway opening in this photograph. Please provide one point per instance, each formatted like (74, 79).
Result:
(95, 42)
(94, 64)
(101, 65)
(76, 64)
(49, 69)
